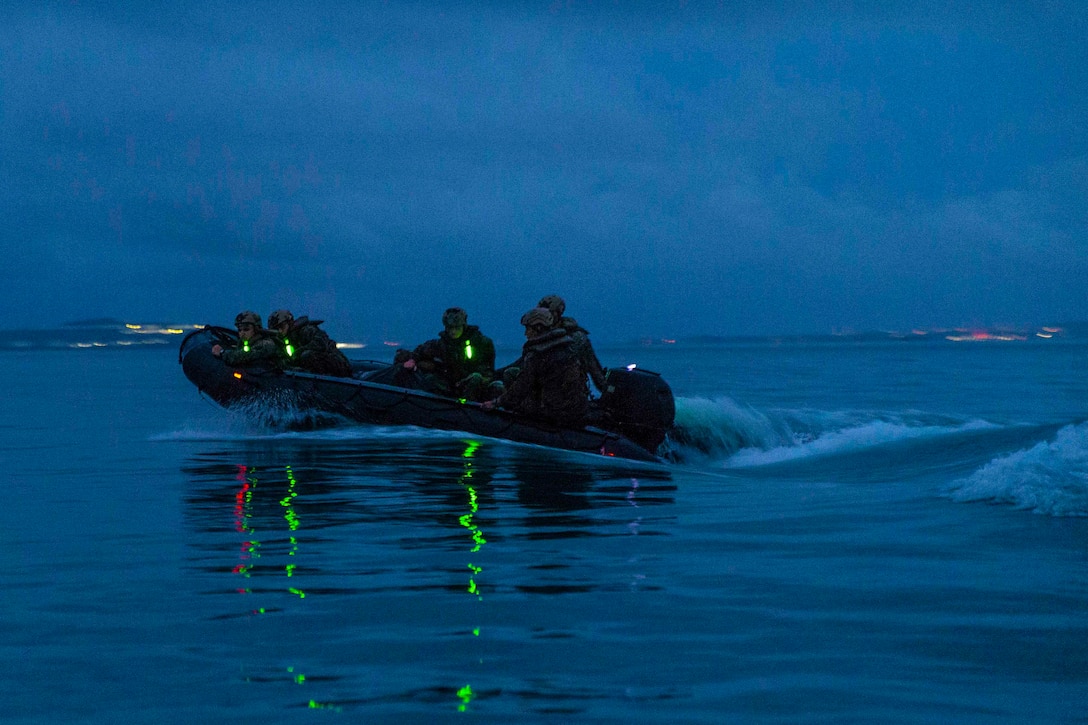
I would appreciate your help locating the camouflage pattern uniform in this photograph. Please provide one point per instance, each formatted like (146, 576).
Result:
(261, 351)
(313, 351)
(584, 350)
(462, 367)
(551, 383)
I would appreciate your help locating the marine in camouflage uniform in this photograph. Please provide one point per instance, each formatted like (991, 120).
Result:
(582, 346)
(551, 384)
(256, 346)
(308, 347)
(460, 362)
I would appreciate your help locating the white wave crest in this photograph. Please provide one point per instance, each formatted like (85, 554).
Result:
(744, 437)
(859, 437)
(1048, 478)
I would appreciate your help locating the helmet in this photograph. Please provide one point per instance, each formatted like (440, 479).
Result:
(554, 303)
(280, 317)
(454, 317)
(538, 317)
(247, 318)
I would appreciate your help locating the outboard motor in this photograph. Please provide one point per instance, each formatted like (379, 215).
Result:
(639, 404)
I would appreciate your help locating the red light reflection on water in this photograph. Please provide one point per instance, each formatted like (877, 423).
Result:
(242, 498)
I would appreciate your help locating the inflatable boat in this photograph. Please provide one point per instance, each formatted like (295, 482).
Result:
(631, 418)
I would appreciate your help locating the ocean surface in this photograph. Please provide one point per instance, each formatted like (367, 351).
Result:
(851, 533)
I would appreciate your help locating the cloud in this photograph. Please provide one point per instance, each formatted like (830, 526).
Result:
(674, 171)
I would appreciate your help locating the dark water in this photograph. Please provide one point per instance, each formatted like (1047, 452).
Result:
(869, 534)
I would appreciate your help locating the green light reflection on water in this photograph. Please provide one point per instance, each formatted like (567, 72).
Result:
(466, 520)
(315, 705)
(244, 501)
(465, 694)
(287, 502)
(293, 522)
(243, 511)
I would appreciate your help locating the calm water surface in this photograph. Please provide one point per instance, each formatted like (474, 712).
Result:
(854, 534)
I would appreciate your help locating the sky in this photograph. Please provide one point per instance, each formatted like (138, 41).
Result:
(669, 168)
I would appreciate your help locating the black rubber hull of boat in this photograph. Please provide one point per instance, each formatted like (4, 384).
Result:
(372, 403)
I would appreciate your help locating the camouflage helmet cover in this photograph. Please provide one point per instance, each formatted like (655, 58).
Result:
(247, 318)
(538, 317)
(554, 303)
(280, 317)
(454, 317)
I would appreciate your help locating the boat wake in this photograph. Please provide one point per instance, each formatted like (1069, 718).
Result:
(741, 437)
(1041, 468)
(1051, 477)
(274, 416)
(280, 420)
(720, 427)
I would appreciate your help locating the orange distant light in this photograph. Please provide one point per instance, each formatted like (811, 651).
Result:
(238, 375)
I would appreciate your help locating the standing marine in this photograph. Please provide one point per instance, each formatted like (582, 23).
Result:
(582, 346)
(256, 346)
(307, 347)
(460, 362)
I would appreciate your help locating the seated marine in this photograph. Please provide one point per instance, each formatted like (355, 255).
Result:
(460, 362)
(256, 345)
(307, 347)
(551, 384)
